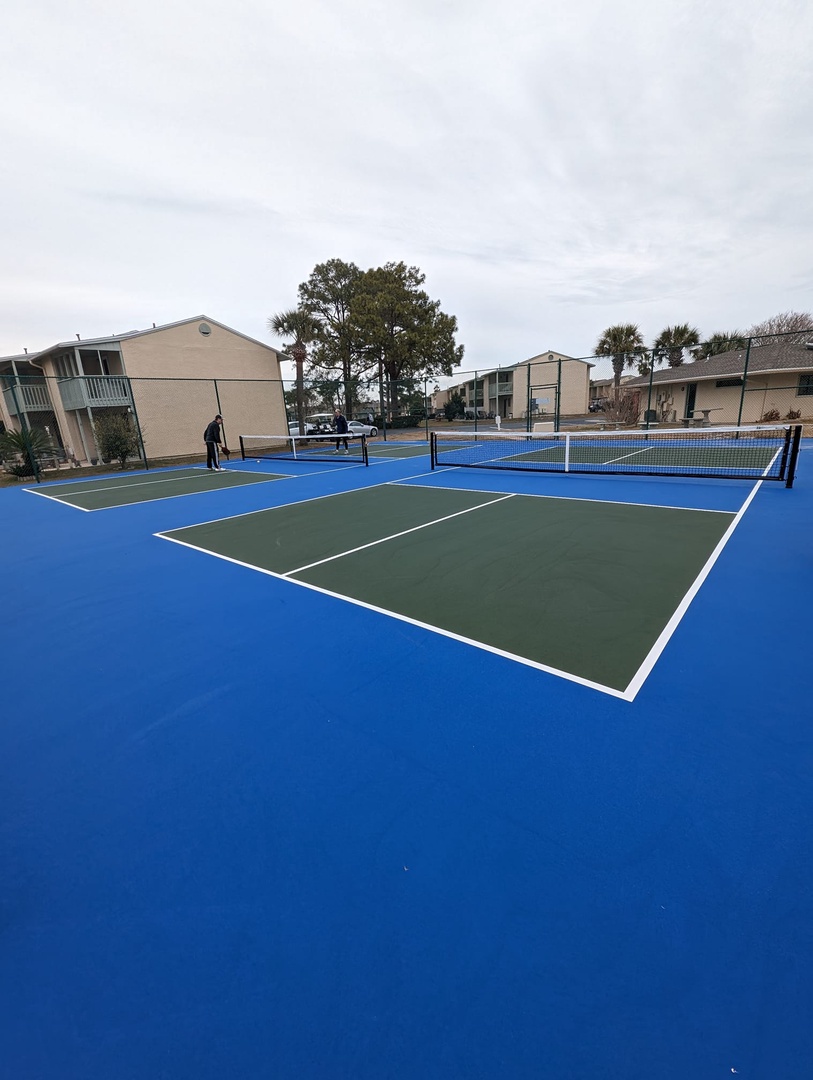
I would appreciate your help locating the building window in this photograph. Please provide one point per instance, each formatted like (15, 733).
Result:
(729, 382)
(805, 386)
(205, 329)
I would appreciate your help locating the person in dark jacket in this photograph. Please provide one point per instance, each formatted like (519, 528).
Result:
(340, 423)
(211, 437)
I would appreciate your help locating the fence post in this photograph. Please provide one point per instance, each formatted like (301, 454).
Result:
(557, 413)
(137, 424)
(528, 401)
(381, 398)
(744, 380)
(219, 412)
(649, 395)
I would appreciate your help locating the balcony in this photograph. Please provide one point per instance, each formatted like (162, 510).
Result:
(95, 392)
(28, 397)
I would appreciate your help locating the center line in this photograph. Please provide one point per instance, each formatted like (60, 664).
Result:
(394, 536)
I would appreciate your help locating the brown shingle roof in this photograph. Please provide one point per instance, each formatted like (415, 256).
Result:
(763, 358)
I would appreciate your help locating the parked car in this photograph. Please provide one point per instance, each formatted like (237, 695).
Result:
(322, 423)
(597, 405)
(293, 428)
(355, 427)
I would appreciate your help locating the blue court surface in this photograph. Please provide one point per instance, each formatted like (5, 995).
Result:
(255, 827)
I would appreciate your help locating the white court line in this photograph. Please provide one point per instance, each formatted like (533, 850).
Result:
(119, 487)
(386, 459)
(394, 536)
(623, 457)
(637, 681)
(62, 502)
(567, 675)
(570, 498)
(282, 506)
(313, 498)
(654, 653)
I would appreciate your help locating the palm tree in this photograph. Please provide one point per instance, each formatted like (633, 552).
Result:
(24, 449)
(673, 340)
(722, 343)
(296, 323)
(624, 344)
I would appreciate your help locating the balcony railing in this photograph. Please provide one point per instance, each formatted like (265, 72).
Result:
(95, 392)
(30, 397)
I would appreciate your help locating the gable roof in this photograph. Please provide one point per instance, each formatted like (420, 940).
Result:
(762, 358)
(113, 339)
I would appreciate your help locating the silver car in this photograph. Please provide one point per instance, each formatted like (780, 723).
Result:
(355, 427)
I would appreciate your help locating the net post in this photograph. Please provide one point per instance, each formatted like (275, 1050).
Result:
(794, 455)
(783, 464)
(567, 452)
(433, 448)
(242, 449)
(364, 450)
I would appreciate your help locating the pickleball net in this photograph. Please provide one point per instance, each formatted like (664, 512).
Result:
(767, 452)
(325, 448)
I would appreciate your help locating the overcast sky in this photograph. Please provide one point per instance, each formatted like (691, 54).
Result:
(553, 167)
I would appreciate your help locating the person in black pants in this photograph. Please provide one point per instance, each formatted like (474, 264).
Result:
(340, 423)
(211, 437)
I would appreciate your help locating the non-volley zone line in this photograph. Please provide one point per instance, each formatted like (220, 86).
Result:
(584, 590)
(90, 495)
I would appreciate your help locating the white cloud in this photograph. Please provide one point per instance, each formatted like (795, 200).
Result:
(551, 169)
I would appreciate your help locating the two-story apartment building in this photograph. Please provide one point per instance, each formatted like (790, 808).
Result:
(529, 388)
(172, 379)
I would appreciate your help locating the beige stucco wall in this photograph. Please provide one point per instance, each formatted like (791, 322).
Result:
(575, 385)
(183, 352)
(764, 393)
(181, 379)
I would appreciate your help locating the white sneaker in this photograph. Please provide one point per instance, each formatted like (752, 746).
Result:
(347, 451)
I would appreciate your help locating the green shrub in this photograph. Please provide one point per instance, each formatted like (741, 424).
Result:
(455, 407)
(116, 437)
(399, 422)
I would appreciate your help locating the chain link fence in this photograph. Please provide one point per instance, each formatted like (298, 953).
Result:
(725, 382)
(48, 424)
(58, 424)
